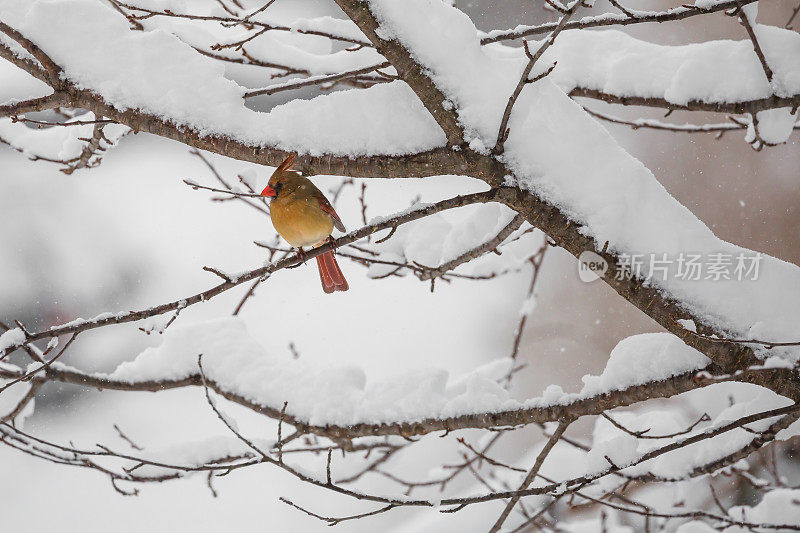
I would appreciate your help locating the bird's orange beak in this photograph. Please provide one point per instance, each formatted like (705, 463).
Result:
(269, 192)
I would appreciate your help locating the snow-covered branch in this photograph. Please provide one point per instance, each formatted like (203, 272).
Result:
(619, 19)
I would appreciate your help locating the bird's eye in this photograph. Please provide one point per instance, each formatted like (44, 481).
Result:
(278, 187)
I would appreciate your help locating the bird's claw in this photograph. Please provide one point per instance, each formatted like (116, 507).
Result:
(302, 256)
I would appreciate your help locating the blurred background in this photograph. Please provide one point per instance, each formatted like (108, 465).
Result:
(130, 234)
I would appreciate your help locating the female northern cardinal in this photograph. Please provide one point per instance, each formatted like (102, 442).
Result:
(304, 217)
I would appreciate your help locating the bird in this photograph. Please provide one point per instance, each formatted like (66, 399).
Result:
(304, 217)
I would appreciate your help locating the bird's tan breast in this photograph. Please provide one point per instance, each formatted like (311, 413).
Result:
(300, 221)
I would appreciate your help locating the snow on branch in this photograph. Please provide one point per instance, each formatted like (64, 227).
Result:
(619, 19)
(204, 101)
(332, 28)
(342, 403)
(607, 457)
(704, 76)
(184, 88)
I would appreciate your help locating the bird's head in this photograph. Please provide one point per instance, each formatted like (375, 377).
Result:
(280, 177)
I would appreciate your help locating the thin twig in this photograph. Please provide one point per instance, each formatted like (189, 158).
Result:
(503, 132)
(756, 46)
(314, 80)
(562, 426)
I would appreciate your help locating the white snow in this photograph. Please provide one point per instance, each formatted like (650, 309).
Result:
(81, 321)
(156, 324)
(695, 526)
(12, 337)
(528, 305)
(390, 120)
(774, 125)
(776, 362)
(342, 395)
(777, 507)
(642, 358)
(713, 71)
(18, 85)
(318, 394)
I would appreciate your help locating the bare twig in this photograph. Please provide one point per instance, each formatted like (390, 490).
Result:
(229, 190)
(148, 13)
(502, 133)
(257, 11)
(56, 99)
(616, 19)
(476, 252)
(562, 427)
(132, 316)
(536, 263)
(127, 439)
(222, 417)
(314, 80)
(84, 160)
(796, 10)
(52, 71)
(719, 128)
(28, 375)
(745, 20)
(336, 521)
(643, 434)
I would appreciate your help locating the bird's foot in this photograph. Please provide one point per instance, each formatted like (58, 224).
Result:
(302, 256)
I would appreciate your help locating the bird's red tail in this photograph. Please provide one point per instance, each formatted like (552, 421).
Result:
(330, 274)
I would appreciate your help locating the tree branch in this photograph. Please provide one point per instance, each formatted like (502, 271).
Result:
(57, 99)
(408, 69)
(314, 80)
(756, 46)
(51, 70)
(148, 13)
(562, 427)
(502, 133)
(481, 249)
(592, 405)
(735, 108)
(615, 19)
(133, 316)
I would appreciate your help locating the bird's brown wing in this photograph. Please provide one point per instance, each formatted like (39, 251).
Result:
(328, 208)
